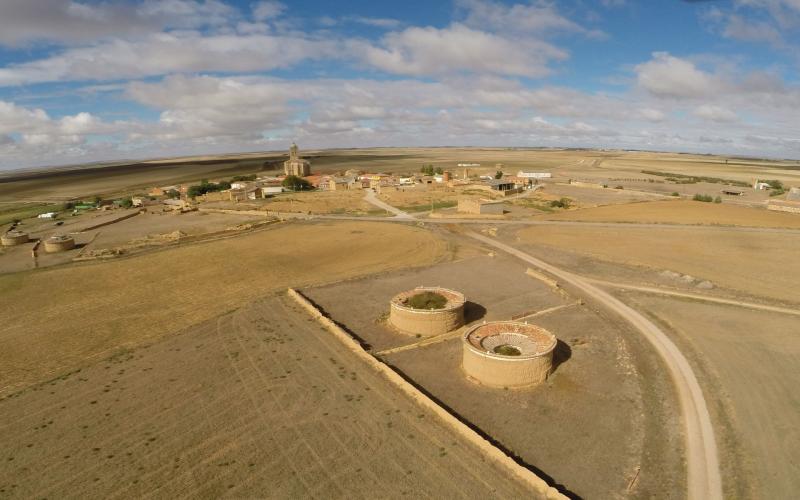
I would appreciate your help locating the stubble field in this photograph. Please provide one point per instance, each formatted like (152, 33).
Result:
(262, 402)
(59, 318)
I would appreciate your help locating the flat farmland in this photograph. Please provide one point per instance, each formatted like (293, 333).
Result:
(682, 212)
(753, 263)
(607, 412)
(57, 318)
(261, 402)
(749, 364)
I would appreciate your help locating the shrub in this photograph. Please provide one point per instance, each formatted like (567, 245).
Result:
(705, 198)
(126, 203)
(619, 187)
(675, 193)
(296, 183)
(498, 175)
(718, 199)
(427, 300)
(562, 203)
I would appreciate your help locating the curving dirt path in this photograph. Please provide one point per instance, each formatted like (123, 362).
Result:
(703, 476)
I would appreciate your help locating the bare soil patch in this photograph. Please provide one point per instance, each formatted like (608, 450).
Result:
(258, 403)
(749, 363)
(683, 212)
(606, 410)
(61, 316)
(754, 263)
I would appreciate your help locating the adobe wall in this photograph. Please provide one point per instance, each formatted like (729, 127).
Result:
(427, 323)
(508, 371)
(11, 239)
(59, 246)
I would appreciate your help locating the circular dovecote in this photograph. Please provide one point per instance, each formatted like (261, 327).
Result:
(427, 311)
(14, 237)
(59, 243)
(508, 354)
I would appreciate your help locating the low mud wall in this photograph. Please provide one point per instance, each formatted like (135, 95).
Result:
(112, 221)
(537, 484)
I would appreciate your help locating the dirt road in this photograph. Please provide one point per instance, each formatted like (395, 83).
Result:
(695, 296)
(370, 197)
(704, 480)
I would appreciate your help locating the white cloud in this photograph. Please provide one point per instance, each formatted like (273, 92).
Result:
(267, 10)
(432, 51)
(715, 113)
(166, 53)
(670, 76)
(70, 21)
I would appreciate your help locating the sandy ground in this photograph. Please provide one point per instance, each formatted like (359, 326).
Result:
(606, 411)
(750, 263)
(62, 316)
(749, 360)
(588, 197)
(683, 212)
(258, 403)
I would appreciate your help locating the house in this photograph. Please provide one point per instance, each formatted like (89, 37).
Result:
(48, 215)
(239, 185)
(534, 175)
(341, 183)
(271, 191)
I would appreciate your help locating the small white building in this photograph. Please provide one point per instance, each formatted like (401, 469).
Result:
(239, 185)
(271, 190)
(48, 215)
(534, 175)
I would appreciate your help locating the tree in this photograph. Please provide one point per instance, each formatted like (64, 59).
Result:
(439, 171)
(126, 203)
(296, 183)
(173, 193)
(498, 174)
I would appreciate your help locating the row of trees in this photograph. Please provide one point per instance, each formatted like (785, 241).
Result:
(207, 187)
(430, 170)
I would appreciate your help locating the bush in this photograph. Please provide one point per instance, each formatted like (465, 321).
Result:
(718, 199)
(207, 187)
(427, 300)
(675, 193)
(126, 203)
(296, 183)
(173, 193)
(705, 198)
(562, 203)
(498, 175)
(619, 187)
(237, 178)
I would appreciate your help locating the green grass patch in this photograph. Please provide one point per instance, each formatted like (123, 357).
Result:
(427, 300)
(507, 350)
(692, 179)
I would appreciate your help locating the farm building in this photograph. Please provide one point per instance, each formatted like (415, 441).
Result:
(48, 215)
(508, 354)
(784, 206)
(14, 237)
(59, 243)
(500, 185)
(467, 206)
(427, 311)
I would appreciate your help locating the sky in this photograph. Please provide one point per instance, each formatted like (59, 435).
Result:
(84, 81)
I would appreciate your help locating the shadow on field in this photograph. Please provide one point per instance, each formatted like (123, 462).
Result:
(473, 312)
(561, 354)
(548, 479)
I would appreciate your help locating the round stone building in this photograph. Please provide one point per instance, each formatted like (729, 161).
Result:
(14, 237)
(508, 354)
(59, 243)
(427, 311)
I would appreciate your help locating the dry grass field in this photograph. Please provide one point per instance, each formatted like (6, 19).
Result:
(683, 212)
(751, 263)
(258, 403)
(606, 410)
(749, 365)
(324, 202)
(58, 318)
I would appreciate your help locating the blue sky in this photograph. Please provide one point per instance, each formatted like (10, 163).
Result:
(84, 80)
